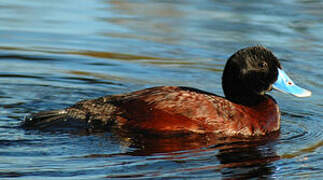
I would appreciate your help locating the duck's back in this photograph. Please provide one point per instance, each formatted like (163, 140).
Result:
(173, 109)
(159, 109)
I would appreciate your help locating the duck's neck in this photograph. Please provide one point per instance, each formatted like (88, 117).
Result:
(247, 100)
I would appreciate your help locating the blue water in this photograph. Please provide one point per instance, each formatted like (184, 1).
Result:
(55, 53)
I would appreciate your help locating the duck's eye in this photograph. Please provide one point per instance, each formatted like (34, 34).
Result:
(262, 65)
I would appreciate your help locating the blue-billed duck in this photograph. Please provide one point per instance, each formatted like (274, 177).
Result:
(246, 109)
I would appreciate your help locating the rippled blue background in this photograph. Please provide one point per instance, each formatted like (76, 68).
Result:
(55, 53)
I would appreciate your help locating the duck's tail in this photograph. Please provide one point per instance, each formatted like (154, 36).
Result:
(51, 119)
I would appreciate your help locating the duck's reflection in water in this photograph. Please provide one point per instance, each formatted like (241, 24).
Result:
(233, 157)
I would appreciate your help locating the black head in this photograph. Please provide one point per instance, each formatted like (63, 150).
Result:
(248, 74)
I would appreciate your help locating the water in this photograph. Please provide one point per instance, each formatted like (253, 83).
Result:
(55, 53)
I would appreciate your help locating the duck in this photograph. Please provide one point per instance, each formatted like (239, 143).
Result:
(245, 109)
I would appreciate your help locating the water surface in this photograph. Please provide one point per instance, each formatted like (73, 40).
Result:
(55, 53)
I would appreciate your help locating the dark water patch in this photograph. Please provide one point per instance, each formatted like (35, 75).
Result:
(10, 106)
(25, 57)
(8, 174)
(18, 142)
(91, 81)
(126, 176)
(101, 64)
(2, 75)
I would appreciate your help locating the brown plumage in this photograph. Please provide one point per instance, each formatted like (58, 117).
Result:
(245, 110)
(166, 109)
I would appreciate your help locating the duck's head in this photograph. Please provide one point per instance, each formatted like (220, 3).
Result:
(251, 72)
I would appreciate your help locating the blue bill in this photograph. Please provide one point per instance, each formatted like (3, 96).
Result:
(286, 85)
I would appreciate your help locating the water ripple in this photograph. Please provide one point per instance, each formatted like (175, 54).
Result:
(55, 54)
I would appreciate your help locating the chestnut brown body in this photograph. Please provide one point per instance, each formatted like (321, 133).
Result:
(245, 110)
(178, 109)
